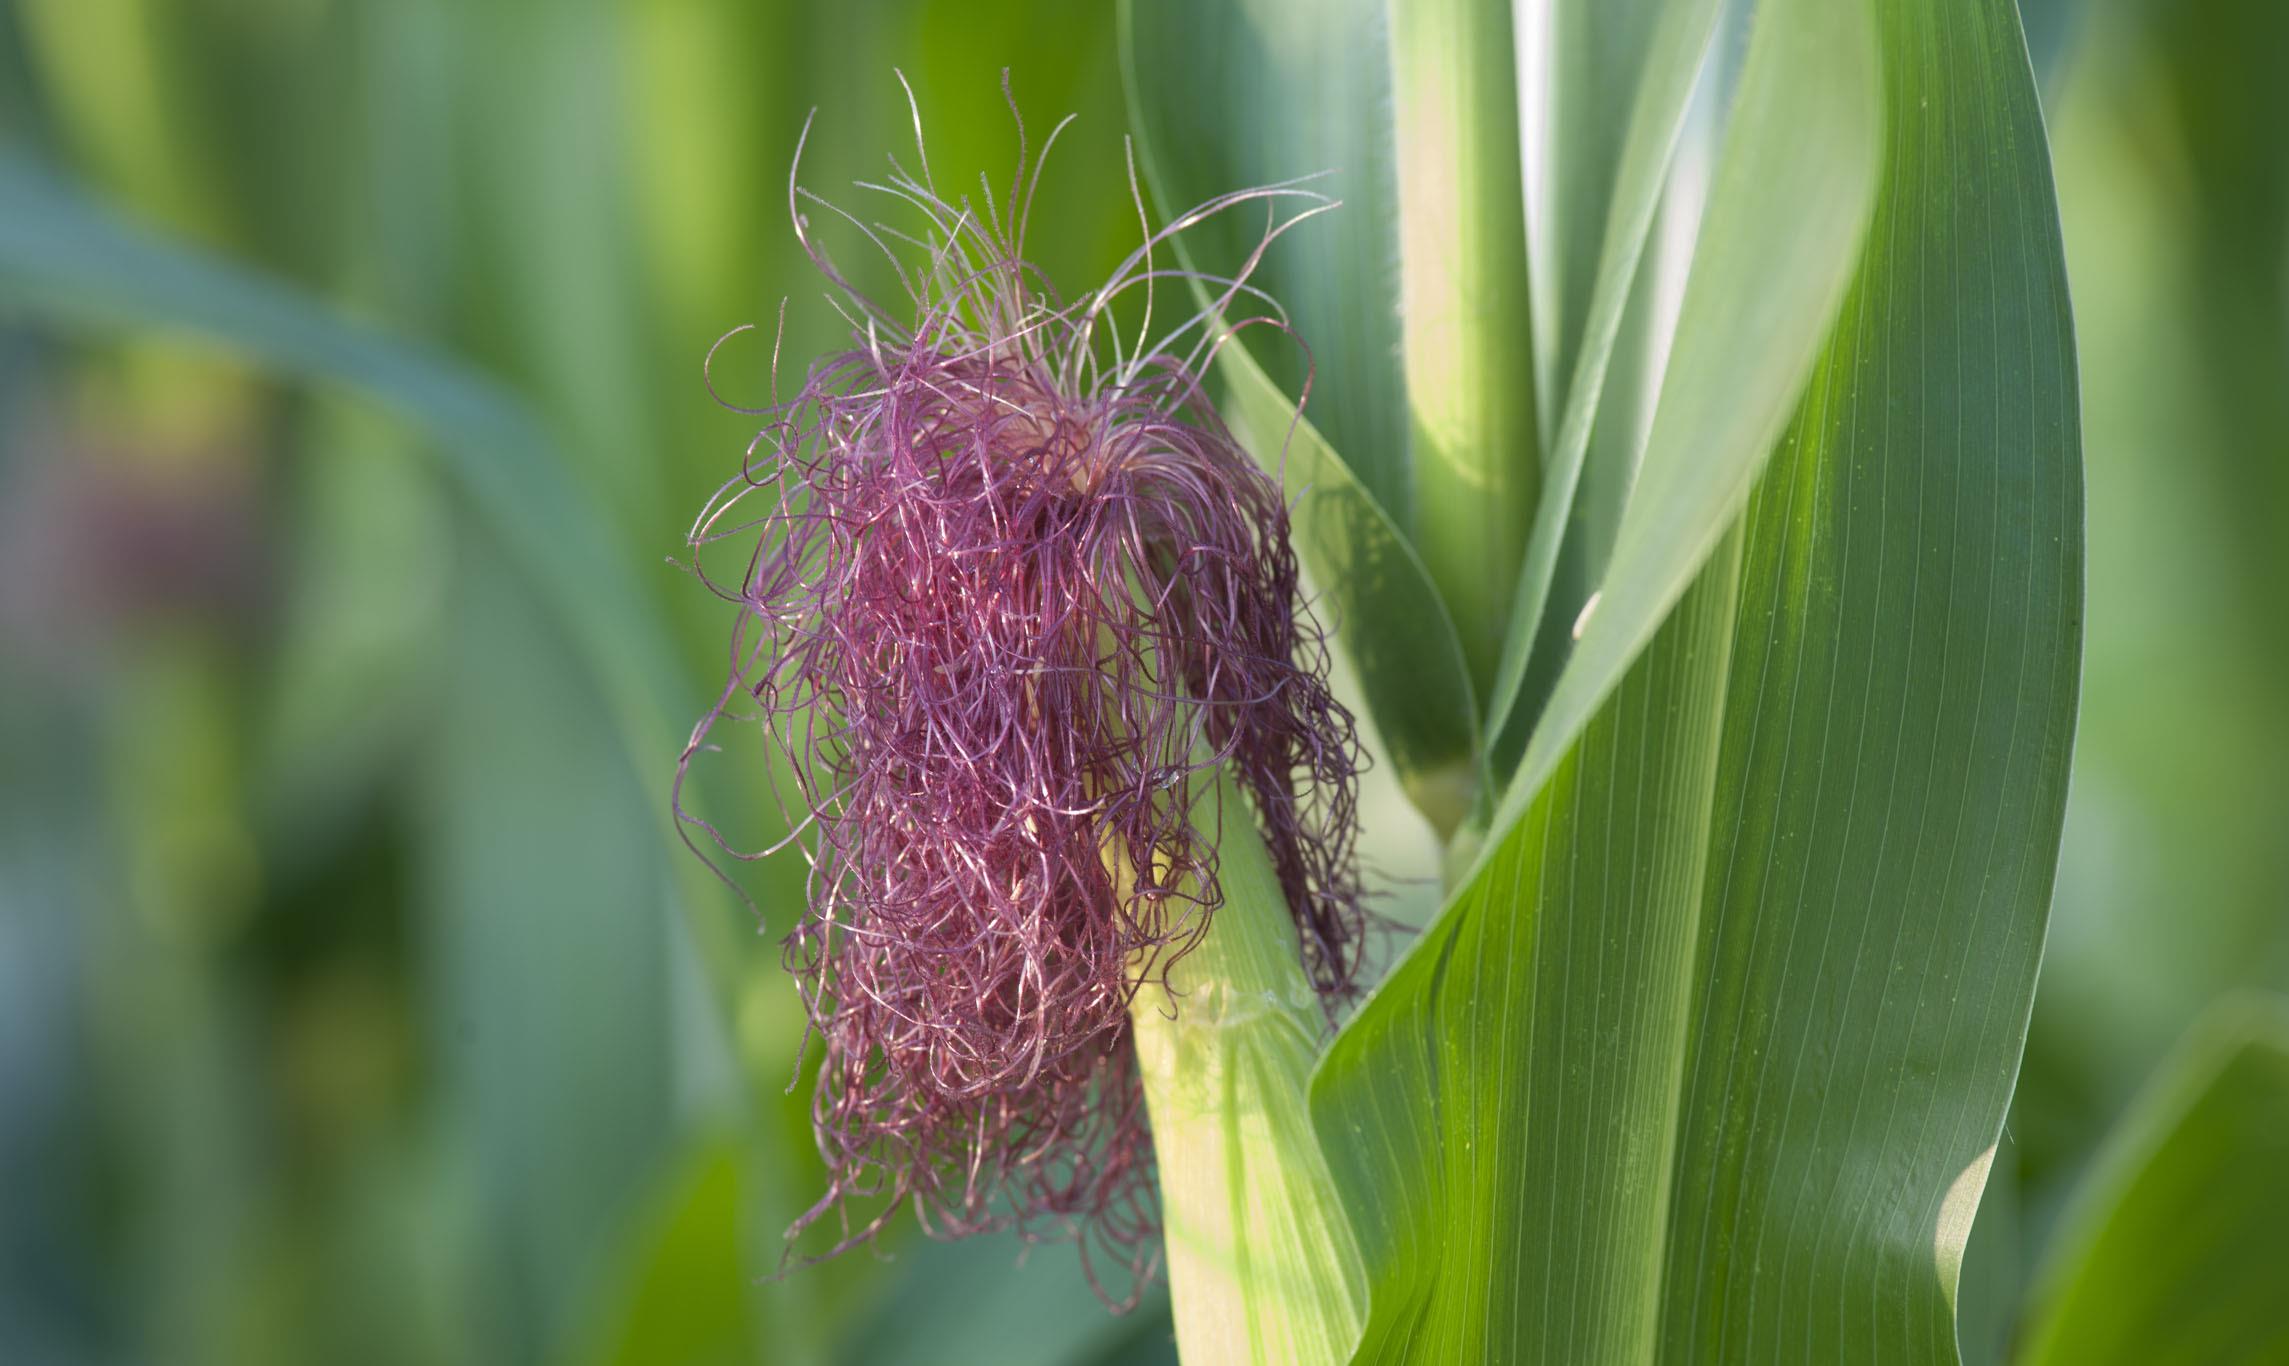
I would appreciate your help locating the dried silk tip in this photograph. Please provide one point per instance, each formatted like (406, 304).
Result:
(1013, 598)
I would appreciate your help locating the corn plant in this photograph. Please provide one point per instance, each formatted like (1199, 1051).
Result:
(1760, 711)
(1645, 433)
(1706, 1055)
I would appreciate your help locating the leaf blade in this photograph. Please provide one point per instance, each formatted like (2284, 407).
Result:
(1466, 316)
(1272, 66)
(1609, 209)
(1869, 686)
(1382, 607)
(2172, 1250)
(1225, 96)
(1456, 1016)
(1795, 184)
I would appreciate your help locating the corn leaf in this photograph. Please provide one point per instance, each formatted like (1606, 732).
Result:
(545, 903)
(2174, 1251)
(1707, 1058)
(1379, 602)
(66, 258)
(1225, 96)
(1621, 76)
(1465, 310)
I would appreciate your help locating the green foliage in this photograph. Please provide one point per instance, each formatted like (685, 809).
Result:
(1464, 317)
(564, 205)
(1565, 1123)
(1621, 76)
(1289, 90)
(677, 1309)
(2174, 1250)
(357, 1007)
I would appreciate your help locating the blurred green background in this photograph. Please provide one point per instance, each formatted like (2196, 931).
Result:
(356, 1003)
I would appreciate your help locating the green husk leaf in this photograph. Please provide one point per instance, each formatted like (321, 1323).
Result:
(1262, 1266)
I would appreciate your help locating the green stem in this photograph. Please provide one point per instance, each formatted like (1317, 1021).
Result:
(1468, 330)
(1262, 1265)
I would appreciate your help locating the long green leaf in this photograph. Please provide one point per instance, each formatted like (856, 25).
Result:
(1466, 318)
(1381, 605)
(63, 257)
(1224, 96)
(2176, 1248)
(543, 891)
(1622, 76)
(1425, 1066)
(1777, 251)
(1706, 1060)
(1489, 1188)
